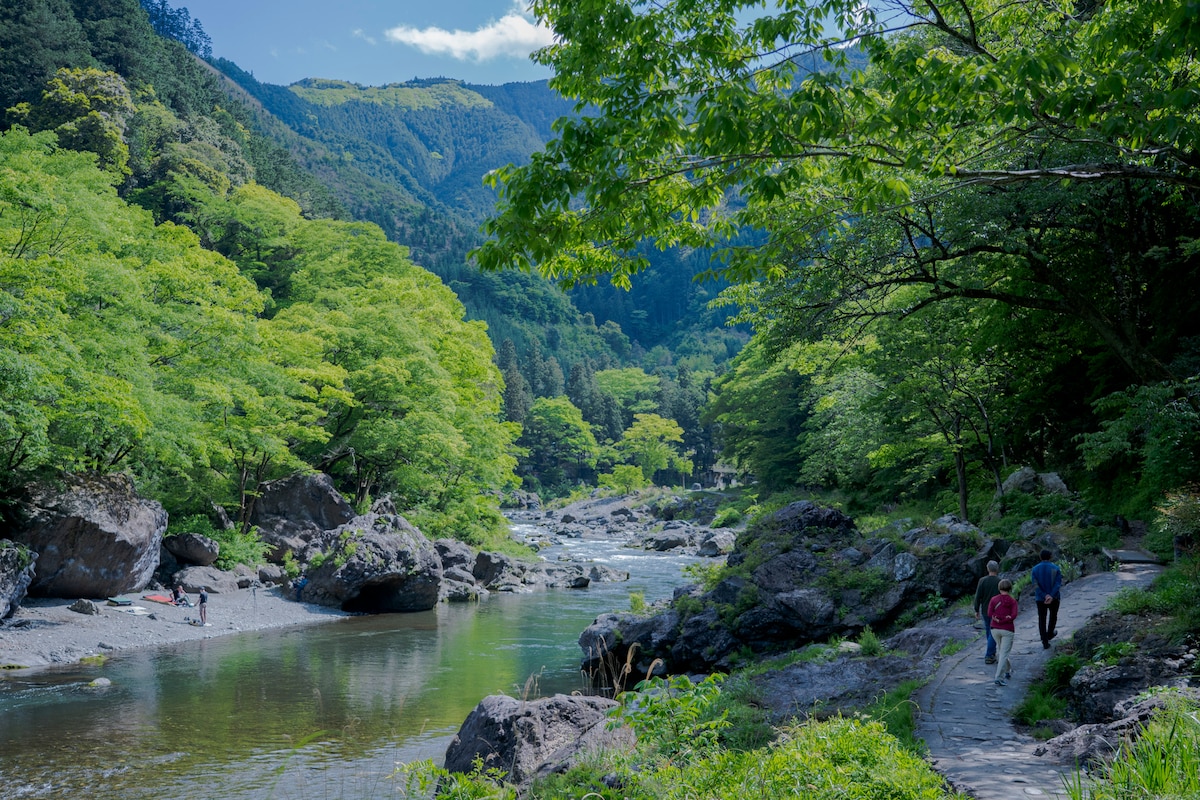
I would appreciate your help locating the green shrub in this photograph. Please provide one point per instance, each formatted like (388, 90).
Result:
(869, 642)
(951, 647)
(1060, 669)
(637, 602)
(704, 575)
(1175, 594)
(1110, 653)
(726, 517)
(895, 711)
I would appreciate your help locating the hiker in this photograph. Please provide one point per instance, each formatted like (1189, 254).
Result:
(985, 590)
(179, 596)
(1047, 582)
(203, 606)
(1002, 611)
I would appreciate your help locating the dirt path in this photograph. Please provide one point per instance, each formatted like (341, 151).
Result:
(965, 719)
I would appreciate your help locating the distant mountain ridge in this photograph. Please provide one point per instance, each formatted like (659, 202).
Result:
(411, 157)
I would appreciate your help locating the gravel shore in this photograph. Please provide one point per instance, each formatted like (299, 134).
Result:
(44, 631)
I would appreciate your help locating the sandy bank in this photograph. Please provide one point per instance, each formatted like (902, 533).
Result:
(45, 631)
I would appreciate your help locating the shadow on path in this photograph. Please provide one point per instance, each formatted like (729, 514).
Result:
(966, 720)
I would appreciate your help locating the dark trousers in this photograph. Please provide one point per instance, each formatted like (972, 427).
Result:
(991, 640)
(1047, 619)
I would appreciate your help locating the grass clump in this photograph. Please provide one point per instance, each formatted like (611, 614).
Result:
(1174, 595)
(1045, 699)
(869, 643)
(894, 711)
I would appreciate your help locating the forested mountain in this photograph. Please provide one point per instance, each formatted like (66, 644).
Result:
(411, 157)
(181, 302)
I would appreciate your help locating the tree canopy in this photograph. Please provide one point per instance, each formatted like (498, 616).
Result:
(924, 208)
(699, 121)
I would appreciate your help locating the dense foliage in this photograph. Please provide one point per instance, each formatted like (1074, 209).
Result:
(166, 314)
(974, 247)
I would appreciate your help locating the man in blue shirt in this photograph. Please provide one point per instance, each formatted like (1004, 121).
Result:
(1047, 582)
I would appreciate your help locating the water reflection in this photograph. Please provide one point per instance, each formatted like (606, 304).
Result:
(320, 711)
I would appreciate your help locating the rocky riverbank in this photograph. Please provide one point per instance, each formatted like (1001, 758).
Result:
(45, 631)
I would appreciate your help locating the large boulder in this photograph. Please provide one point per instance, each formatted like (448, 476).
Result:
(525, 740)
(291, 512)
(16, 573)
(211, 579)
(95, 537)
(376, 563)
(192, 548)
(498, 572)
(1027, 480)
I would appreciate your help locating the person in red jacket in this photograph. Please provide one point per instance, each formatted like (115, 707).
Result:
(1002, 612)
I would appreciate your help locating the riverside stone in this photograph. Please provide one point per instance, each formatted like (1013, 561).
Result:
(16, 573)
(94, 535)
(525, 739)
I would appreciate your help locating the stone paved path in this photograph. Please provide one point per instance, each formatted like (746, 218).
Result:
(966, 720)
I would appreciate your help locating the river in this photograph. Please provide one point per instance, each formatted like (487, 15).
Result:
(313, 713)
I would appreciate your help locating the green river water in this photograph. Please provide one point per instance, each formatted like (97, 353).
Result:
(312, 713)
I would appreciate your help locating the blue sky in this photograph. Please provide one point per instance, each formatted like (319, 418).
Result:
(373, 43)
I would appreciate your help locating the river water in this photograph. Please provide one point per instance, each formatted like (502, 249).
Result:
(313, 713)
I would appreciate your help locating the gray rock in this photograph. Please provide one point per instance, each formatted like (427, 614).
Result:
(1032, 528)
(211, 579)
(1023, 480)
(292, 511)
(271, 575)
(95, 537)
(529, 739)
(454, 553)
(458, 586)
(667, 540)
(904, 566)
(1052, 483)
(17, 564)
(376, 563)
(717, 543)
(1097, 743)
(82, 606)
(499, 572)
(192, 548)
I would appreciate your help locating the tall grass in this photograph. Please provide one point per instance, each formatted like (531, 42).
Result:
(1162, 764)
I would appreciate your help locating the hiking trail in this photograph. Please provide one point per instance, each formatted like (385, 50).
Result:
(966, 720)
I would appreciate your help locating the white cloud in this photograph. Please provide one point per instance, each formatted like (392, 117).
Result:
(514, 34)
(360, 34)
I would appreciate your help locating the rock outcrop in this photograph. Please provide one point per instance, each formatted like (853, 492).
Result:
(531, 739)
(294, 511)
(16, 573)
(192, 548)
(94, 536)
(1097, 743)
(806, 574)
(376, 563)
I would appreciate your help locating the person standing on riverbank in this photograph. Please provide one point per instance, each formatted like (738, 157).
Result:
(203, 606)
(987, 588)
(1047, 582)
(1003, 612)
